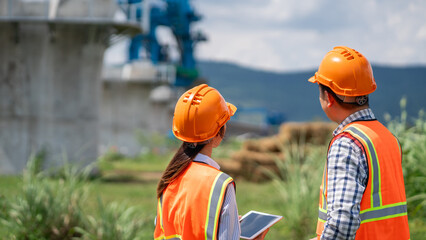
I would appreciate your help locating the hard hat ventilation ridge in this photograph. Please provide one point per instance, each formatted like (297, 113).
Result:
(196, 100)
(347, 54)
(359, 54)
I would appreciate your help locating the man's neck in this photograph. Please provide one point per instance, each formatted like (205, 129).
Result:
(344, 113)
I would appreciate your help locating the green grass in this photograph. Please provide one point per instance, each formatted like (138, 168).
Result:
(262, 197)
(148, 162)
(9, 188)
(10, 185)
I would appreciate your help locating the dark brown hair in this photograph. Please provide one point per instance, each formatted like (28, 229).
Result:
(345, 105)
(180, 161)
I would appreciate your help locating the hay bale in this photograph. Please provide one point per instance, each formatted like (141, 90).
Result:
(253, 164)
(256, 157)
(267, 144)
(311, 132)
(250, 145)
(230, 166)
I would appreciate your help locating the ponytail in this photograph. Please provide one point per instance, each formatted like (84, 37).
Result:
(181, 161)
(178, 164)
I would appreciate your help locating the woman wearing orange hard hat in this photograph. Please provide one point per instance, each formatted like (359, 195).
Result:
(195, 199)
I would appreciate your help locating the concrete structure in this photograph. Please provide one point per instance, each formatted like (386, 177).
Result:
(137, 101)
(75, 9)
(50, 79)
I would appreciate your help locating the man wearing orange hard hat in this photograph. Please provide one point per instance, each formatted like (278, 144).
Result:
(362, 195)
(195, 199)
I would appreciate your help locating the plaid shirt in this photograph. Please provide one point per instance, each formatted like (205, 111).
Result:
(347, 180)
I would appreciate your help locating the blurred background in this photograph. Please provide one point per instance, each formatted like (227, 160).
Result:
(88, 88)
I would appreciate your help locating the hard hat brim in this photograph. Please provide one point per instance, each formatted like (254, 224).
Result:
(232, 108)
(313, 79)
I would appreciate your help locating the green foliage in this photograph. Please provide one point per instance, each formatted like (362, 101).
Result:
(226, 148)
(115, 221)
(412, 137)
(298, 185)
(156, 143)
(156, 152)
(47, 209)
(50, 208)
(4, 206)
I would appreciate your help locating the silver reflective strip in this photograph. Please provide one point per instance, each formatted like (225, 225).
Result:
(161, 207)
(322, 215)
(384, 212)
(214, 202)
(174, 238)
(375, 167)
(324, 185)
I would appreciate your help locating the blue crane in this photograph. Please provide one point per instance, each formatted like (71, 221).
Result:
(178, 15)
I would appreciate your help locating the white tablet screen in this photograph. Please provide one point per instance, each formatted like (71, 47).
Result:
(254, 223)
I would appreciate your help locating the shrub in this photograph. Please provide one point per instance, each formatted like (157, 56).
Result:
(47, 209)
(298, 186)
(51, 208)
(115, 221)
(4, 206)
(412, 137)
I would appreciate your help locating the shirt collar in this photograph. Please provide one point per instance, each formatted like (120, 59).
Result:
(207, 160)
(364, 114)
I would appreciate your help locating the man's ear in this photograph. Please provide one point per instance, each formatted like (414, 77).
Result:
(330, 99)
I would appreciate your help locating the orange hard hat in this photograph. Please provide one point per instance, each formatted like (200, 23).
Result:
(200, 113)
(346, 72)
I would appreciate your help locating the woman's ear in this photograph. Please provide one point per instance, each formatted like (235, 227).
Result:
(217, 140)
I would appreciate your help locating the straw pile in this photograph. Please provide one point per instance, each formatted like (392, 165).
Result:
(257, 155)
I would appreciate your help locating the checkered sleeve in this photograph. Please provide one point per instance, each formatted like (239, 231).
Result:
(347, 179)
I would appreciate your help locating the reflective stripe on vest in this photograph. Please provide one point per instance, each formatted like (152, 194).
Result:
(371, 151)
(374, 214)
(160, 204)
(323, 206)
(172, 237)
(216, 194)
(377, 211)
(384, 212)
(322, 215)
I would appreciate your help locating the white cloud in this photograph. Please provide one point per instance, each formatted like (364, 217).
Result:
(291, 35)
(421, 33)
(284, 35)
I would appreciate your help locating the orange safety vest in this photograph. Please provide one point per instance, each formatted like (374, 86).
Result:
(383, 210)
(190, 206)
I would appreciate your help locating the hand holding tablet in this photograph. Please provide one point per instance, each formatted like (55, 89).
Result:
(254, 223)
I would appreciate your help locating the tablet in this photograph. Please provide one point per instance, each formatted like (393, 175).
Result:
(254, 223)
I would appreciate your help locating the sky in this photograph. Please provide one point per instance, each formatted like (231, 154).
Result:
(294, 35)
